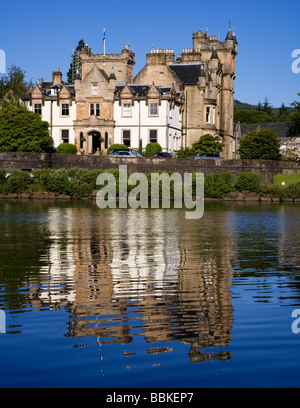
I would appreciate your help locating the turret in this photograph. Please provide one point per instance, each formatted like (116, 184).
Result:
(229, 35)
(112, 81)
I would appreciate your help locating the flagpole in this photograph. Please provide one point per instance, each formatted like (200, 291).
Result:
(104, 40)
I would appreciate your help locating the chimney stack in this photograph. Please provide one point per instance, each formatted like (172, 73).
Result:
(57, 77)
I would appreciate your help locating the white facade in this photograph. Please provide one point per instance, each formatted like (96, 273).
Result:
(135, 114)
(60, 118)
(149, 123)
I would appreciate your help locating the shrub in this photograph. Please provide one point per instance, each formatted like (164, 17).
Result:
(293, 190)
(248, 182)
(185, 153)
(117, 146)
(218, 185)
(17, 182)
(2, 176)
(41, 179)
(152, 149)
(59, 182)
(67, 148)
(260, 145)
(78, 189)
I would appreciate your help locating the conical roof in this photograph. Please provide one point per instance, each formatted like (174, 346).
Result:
(229, 35)
(214, 54)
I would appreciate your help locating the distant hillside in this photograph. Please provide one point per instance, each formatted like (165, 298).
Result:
(243, 106)
(238, 105)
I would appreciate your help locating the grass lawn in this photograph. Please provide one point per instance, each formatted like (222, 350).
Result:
(287, 179)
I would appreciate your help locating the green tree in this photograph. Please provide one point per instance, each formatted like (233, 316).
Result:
(75, 62)
(283, 114)
(263, 144)
(185, 153)
(208, 143)
(294, 121)
(267, 108)
(248, 117)
(259, 107)
(12, 87)
(23, 131)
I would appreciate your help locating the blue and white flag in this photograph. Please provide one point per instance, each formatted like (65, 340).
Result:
(104, 35)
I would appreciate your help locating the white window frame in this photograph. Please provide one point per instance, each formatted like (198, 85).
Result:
(95, 108)
(153, 130)
(123, 131)
(153, 109)
(37, 107)
(63, 139)
(126, 110)
(66, 107)
(92, 109)
(94, 89)
(208, 115)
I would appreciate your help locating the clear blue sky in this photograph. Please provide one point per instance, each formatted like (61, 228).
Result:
(40, 36)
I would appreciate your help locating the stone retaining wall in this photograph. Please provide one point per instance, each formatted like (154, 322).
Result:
(267, 168)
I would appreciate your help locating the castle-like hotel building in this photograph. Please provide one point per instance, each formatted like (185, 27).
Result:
(172, 101)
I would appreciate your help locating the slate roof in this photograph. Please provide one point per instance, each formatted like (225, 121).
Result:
(47, 86)
(46, 89)
(280, 128)
(188, 73)
(141, 90)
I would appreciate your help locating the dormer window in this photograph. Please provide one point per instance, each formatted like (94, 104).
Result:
(94, 89)
(153, 109)
(127, 110)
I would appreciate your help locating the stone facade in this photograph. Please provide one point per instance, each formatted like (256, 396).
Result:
(206, 74)
(199, 84)
(95, 95)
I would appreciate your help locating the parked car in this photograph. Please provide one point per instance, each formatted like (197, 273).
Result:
(162, 155)
(27, 169)
(125, 153)
(214, 156)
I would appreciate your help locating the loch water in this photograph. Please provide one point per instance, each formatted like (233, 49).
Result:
(146, 298)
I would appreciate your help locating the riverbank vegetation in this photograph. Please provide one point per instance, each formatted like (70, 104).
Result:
(80, 183)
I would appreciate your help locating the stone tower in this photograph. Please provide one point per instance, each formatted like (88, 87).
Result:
(206, 73)
(95, 95)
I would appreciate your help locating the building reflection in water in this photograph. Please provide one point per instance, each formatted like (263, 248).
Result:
(126, 273)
